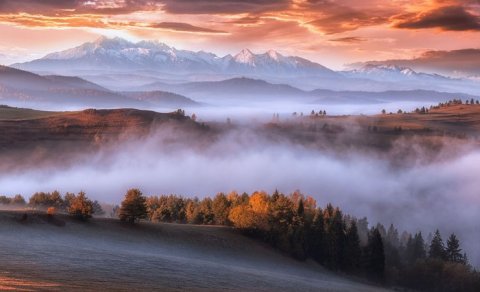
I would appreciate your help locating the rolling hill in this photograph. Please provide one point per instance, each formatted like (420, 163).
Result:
(161, 98)
(37, 254)
(23, 88)
(27, 129)
(18, 86)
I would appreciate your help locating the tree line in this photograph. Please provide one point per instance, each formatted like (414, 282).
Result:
(78, 205)
(295, 225)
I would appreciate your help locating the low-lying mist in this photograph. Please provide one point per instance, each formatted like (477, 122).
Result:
(422, 196)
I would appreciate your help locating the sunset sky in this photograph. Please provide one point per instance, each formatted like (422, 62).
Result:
(330, 32)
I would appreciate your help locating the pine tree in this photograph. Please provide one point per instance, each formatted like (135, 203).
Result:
(316, 237)
(453, 251)
(392, 236)
(375, 256)
(437, 248)
(335, 235)
(353, 252)
(415, 249)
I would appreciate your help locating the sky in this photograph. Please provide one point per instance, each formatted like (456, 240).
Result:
(331, 32)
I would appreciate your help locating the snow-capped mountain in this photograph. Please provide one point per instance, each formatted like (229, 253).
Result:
(117, 54)
(386, 72)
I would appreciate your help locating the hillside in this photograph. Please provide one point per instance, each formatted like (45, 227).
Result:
(18, 87)
(454, 119)
(14, 113)
(24, 128)
(161, 98)
(41, 254)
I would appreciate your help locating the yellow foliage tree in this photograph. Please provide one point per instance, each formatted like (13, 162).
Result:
(242, 217)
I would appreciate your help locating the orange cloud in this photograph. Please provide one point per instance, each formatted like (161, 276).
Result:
(296, 26)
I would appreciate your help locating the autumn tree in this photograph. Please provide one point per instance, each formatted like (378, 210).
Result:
(18, 200)
(220, 209)
(191, 211)
(259, 204)
(133, 206)
(281, 213)
(45, 200)
(81, 207)
(67, 201)
(242, 217)
(205, 211)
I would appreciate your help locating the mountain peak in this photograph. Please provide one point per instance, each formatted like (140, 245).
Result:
(273, 55)
(100, 40)
(112, 43)
(245, 56)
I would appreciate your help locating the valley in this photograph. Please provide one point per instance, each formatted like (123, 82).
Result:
(239, 145)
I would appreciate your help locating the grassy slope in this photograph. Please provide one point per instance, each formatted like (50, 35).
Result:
(453, 119)
(104, 254)
(13, 113)
(24, 128)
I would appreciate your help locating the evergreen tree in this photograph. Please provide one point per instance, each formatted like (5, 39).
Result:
(353, 252)
(453, 251)
(316, 237)
(336, 238)
(437, 248)
(392, 236)
(97, 209)
(297, 238)
(375, 256)
(415, 249)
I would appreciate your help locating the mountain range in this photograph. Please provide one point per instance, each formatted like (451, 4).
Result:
(116, 72)
(119, 65)
(121, 55)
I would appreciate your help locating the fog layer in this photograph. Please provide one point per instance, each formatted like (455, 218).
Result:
(422, 196)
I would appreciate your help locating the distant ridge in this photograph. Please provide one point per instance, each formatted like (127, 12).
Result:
(117, 54)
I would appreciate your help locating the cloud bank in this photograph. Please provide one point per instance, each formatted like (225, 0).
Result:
(419, 196)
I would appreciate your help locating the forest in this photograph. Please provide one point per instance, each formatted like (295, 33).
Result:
(295, 225)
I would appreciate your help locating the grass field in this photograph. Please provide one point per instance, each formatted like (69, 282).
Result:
(103, 254)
